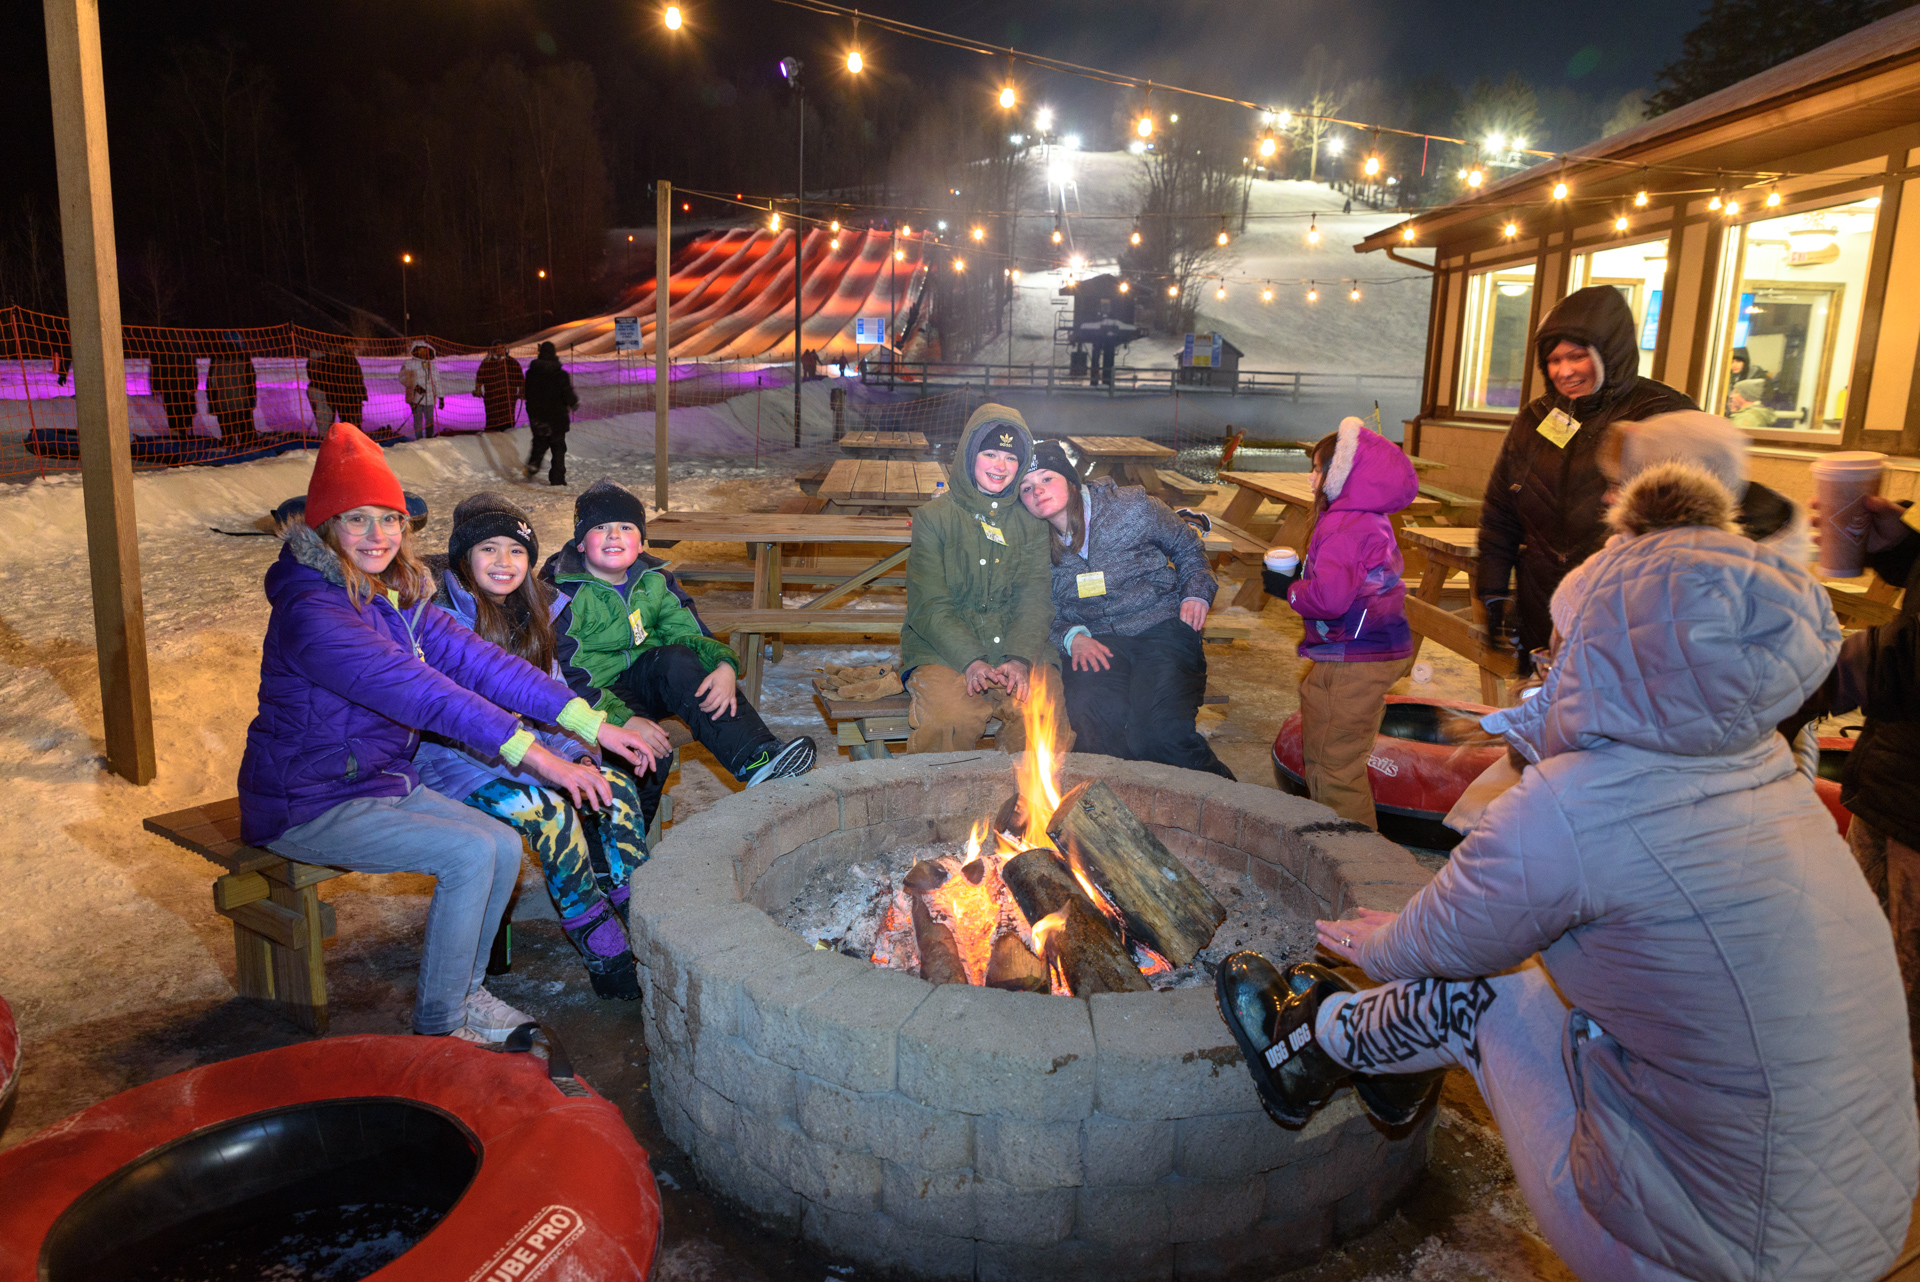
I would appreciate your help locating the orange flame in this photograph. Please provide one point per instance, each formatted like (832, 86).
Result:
(1039, 769)
(975, 914)
(1149, 962)
(1043, 930)
(1099, 897)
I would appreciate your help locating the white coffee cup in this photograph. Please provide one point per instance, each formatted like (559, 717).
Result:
(1842, 482)
(1282, 560)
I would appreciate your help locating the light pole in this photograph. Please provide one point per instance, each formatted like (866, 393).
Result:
(406, 317)
(790, 68)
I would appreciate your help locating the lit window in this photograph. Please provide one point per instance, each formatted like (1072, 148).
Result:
(1493, 366)
(1788, 317)
(1639, 272)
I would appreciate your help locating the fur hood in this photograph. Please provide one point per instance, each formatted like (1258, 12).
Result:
(1368, 473)
(310, 550)
(1672, 496)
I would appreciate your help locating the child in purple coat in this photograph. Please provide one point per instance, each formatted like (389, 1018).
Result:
(1350, 600)
(356, 662)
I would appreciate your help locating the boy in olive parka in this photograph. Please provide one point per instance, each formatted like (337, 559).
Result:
(980, 599)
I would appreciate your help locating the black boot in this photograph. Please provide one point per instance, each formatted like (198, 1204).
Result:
(1273, 1025)
(602, 942)
(1393, 1099)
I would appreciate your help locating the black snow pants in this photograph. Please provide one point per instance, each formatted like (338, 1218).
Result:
(549, 434)
(661, 684)
(1143, 706)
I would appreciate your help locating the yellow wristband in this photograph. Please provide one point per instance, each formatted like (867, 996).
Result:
(579, 718)
(515, 748)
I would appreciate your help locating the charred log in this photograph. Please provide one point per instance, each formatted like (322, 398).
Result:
(1164, 906)
(1015, 968)
(939, 956)
(1085, 947)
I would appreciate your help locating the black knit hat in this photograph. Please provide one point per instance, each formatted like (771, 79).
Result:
(605, 502)
(1051, 456)
(484, 516)
(1006, 434)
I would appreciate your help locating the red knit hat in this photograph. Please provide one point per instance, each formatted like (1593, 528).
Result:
(351, 472)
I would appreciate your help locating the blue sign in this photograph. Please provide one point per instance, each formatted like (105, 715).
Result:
(626, 333)
(869, 331)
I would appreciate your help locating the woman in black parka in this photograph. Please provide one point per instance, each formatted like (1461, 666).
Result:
(1542, 514)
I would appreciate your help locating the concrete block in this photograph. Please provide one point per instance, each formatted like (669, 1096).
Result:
(886, 1124)
(1166, 1055)
(1119, 1152)
(714, 991)
(1028, 1154)
(874, 1240)
(1076, 1261)
(1235, 1145)
(928, 1201)
(1291, 893)
(833, 1017)
(675, 940)
(746, 1186)
(1123, 1216)
(1028, 1217)
(1221, 816)
(1202, 1209)
(1261, 1250)
(711, 1111)
(820, 1173)
(760, 1086)
(993, 1053)
(1231, 858)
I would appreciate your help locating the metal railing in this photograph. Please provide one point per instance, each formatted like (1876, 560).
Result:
(1293, 384)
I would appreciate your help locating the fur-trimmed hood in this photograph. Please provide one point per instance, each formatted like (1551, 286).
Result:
(1368, 473)
(1672, 496)
(310, 550)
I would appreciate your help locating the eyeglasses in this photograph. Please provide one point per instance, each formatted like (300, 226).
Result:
(359, 523)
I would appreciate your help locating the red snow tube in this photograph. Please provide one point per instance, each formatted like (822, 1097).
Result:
(1416, 777)
(9, 1061)
(467, 1164)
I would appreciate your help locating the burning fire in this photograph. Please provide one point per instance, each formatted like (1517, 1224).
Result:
(1038, 773)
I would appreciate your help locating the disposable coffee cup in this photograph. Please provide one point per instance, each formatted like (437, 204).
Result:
(1842, 483)
(1282, 560)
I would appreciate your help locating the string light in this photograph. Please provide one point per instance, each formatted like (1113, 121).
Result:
(1076, 262)
(1268, 146)
(1372, 167)
(1221, 239)
(1313, 231)
(1173, 291)
(774, 222)
(1313, 293)
(834, 226)
(1266, 295)
(1476, 176)
(1135, 238)
(1511, 230)
(1621, 223)
(1284, 119)
(1716, 202)
(673, 18)
(1640, 200)
(1124, 287)
(1056, 235)
(1560, 187)
(1406, 233)
(1733, 206)
(1355, 294)
(855, 63)
(1773, 198)
(899, 255)
(834, 243)
(1222, 291)
(959, 264)
(979, 234)
(1144, 126)
(1007, 97)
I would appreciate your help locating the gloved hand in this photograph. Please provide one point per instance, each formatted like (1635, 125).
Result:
(1277, 583)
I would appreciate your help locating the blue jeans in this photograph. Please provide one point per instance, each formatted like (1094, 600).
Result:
(473, 859)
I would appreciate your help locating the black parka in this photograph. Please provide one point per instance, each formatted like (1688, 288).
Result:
(1543, 506)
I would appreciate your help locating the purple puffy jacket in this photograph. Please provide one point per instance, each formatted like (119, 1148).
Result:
(344, 693)
(1349, 597)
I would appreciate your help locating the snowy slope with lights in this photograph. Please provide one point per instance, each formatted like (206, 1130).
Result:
(732, 290)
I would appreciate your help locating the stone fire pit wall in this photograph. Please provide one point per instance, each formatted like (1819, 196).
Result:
(959, 1132)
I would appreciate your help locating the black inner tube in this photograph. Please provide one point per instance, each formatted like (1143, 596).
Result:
(331, 1190)
(1419, 722)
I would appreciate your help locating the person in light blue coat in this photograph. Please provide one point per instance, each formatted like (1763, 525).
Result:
(586, 856)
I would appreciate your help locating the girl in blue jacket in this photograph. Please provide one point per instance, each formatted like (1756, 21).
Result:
(586, 856)
(354, 665)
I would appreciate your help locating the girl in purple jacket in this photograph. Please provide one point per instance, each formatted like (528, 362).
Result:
(1349, 597)
(356, 662)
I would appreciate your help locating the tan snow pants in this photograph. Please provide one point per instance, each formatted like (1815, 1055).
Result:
(945, 718)
(1341, 705)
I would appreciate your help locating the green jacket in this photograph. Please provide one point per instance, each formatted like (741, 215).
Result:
(596, 630)
(969, 597)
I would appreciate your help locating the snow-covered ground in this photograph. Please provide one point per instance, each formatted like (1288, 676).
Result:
(1383, 333)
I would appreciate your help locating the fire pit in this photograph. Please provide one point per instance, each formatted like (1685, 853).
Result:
(954, 1130)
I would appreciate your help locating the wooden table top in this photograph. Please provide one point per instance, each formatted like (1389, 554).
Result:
(898, 481)
(1296, 489)
(1119, 447)
(884, 441)
(779, 527)
(1425, 465)
(1460, 540)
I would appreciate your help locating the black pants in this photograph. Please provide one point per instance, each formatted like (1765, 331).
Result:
(660, 684)
(549, 436)
(1142, 707)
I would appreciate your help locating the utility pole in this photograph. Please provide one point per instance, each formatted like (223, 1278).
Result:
(790, 68)
(100, 382)
(662, 368)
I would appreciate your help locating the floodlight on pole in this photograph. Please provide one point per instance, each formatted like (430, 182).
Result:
(1043, 119)
(672, 17)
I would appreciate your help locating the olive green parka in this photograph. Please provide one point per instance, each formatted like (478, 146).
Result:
(969, 597)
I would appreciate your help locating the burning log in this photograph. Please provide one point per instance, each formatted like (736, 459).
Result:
(1164, 906)
(939, 956)
(1085, 947)
(1015, 968)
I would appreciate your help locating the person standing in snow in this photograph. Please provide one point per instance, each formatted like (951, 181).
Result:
(232, 393)
(356, 663)
(420, 380)
(1653, 954)
(1542, 510)
(345, 384)
(550, 399)
(317, 391)
(1351, 602)
(174, 375)
(1131, 591)
(498, 382)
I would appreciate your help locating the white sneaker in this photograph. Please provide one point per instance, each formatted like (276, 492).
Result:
(465, 1034)
(492, 1018)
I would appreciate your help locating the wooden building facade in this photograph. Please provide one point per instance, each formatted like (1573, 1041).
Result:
(1790, 304)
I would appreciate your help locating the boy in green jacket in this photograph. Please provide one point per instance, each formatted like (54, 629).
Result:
(630, 648)
(980, 599)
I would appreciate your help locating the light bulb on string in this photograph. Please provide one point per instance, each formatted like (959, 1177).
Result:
(1124, 287)
(673, 17)
(1144, 126)
(1221, 292)
(1733, 206)
(1476, 176)
(1173, 291)
(979, 234)
(959, 264)
(834, 226)
(1372, 167)
(1268, 146)
(1407, 233)
(1007, 97)
(1640, 200)
(1511, 230)
(1716, 202)
(899, 255)
(1621, 223)
(855, 62)
(1719, 199)
(1313, 230)
(773, 222)
(1135, 238)
(834, 243)
(1056, 235)
(1221, 239)
(1283, 118)
(1313, 293)
(1560, 187)
(1354, 294)
(1773, 198)
(1266, 295)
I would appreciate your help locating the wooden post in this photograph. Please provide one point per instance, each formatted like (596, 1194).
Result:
(662, 299)
(99, 382)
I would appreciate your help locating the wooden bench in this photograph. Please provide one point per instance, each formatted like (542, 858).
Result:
(875, 622)
(866, 726)
(1455, 509)
(1183, 486)
(278, 918)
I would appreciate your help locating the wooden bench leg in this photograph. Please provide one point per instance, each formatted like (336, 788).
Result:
(300, 975)
(253, 964)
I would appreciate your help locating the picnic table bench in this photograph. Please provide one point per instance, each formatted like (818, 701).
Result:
(866, 726)
(1294, 492)
(857, 483)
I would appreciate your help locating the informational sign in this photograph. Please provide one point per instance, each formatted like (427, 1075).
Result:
(869, 331)
(1203, 354)
(626, 333)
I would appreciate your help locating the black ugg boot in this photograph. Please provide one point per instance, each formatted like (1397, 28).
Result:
(1273, 1025)
(602, 942)
(1393, 1099)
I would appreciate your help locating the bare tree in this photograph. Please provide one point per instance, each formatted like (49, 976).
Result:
(1188, 183)
(1324, 90)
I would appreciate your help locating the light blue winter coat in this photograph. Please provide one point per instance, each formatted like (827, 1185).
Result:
(1748, 1112)
(457, 772)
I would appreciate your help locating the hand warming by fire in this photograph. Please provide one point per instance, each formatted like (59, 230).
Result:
(1069, 895)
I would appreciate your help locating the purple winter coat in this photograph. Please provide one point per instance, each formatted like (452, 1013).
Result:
(344, 692)
(1349, 595)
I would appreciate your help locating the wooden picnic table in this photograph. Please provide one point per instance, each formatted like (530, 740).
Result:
(1294, 492)
(1130, 460)
(859, 483)
(885, 445)
(765, 534)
